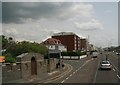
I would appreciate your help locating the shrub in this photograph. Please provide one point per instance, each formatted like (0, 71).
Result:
(10, 59)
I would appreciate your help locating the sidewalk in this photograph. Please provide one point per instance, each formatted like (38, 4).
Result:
(46, 77)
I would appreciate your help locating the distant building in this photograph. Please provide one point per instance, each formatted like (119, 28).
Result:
(54, 44)
(69, 39)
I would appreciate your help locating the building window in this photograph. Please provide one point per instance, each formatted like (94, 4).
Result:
(51, 46)
(75, 45)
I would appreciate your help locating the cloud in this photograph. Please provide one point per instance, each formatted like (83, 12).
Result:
(11, 32)
(32, 31)
(90, 25)
(19, 12)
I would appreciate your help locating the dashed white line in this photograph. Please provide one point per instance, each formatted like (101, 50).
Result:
(75, 71)
(67, 78)
(70, 74)
(63, 81)
(96, 74)
(113, 69)
(118, 76)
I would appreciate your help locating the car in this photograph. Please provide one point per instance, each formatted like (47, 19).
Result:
(117, 53)
(105, 65)
(94, 54)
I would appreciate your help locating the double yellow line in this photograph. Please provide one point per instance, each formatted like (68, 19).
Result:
(59, 76)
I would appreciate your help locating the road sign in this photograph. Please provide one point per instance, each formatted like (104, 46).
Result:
(54, 53)
(2, 59)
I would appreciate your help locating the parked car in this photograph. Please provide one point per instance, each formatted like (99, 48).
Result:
(105, 65)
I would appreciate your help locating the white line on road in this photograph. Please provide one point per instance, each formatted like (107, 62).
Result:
(96, 74)
(73, 72)
(118, 76)
(63, 81)
(67, 78)
(70, 74)
(79, 68)
(113, 69)
(76, 71)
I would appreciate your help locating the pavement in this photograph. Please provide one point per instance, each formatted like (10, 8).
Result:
(46, 77)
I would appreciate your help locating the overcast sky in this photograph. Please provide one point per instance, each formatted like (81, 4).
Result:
(36, 21)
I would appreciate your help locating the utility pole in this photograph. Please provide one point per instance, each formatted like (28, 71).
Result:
(88, 47)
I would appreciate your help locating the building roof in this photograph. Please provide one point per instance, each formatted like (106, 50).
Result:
(52, 41)
(68, 33)
(63, 33)
(22, 55)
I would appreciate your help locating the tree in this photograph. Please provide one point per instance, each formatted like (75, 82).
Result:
(4, 42)
(14, 49)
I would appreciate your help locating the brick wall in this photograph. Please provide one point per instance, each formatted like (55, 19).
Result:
(22, 70)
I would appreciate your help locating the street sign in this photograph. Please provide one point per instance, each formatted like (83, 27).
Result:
(54, 53)
(2, 59)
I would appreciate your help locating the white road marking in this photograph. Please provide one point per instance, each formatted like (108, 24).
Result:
(63, 81)
(73, 72)
(70, 74)
(76, 71)
(67, 78)
(113, 69)
(118, 76)
(96, 74)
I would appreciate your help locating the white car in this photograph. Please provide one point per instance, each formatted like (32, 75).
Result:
(117, 53)
(94, 54)
(105, 65)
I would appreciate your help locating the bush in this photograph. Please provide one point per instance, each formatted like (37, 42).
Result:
(10, 60)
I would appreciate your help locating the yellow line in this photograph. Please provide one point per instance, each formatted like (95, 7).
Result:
(59, 76)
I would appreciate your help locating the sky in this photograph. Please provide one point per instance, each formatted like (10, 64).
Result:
(37, 21)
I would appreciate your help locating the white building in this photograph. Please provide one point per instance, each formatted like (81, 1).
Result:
(52, 44)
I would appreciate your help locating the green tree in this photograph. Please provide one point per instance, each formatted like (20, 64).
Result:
(14, 49)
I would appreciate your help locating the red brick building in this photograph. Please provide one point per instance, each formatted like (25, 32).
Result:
(69, 39)
(83, 44)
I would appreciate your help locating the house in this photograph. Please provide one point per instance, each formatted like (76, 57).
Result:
(54, 44)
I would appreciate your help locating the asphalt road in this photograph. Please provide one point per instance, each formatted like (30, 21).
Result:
(87, 70)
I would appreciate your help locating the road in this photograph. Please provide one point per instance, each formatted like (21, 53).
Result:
(87, 70)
